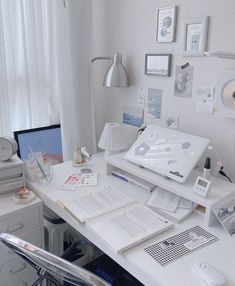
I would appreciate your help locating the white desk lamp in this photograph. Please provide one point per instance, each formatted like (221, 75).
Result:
(112, 139)
(116, 75)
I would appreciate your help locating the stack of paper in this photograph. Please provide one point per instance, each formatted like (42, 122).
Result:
(170, 205)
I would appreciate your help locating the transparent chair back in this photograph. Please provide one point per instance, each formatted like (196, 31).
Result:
(50, 267)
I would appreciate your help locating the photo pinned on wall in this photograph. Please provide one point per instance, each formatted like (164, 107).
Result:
(184, 81)
(154, 103)
(166, 24)
(205, 99)
(133, 116)
(195, 37)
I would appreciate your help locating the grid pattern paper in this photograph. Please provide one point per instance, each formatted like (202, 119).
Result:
(179, 245)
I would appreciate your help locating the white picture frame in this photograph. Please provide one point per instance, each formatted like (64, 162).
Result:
(195, 36)
(166, 24)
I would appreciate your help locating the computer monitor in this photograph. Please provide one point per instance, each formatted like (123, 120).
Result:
(43, 139)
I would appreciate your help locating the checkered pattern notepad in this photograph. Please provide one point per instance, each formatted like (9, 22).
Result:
(179, 245)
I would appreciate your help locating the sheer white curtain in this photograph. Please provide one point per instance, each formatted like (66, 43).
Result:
(44, 68)
(27, 65)
(74, 47)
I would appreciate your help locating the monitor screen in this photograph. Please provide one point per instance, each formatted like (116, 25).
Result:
(44, 139)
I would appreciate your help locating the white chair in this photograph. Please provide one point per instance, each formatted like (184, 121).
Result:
(49, 267)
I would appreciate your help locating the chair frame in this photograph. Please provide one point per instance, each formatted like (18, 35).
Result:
(50, 267)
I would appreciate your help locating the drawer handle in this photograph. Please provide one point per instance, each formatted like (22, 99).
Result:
(18, 268)
(15, 228)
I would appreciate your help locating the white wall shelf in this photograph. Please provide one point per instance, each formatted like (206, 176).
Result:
(220, 188)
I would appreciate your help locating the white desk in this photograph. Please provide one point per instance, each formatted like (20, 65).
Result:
(136, 261)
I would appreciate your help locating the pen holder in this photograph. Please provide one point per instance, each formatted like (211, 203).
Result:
(39, 169)
(44, 172)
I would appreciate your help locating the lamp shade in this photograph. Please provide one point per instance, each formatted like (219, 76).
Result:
(112, 138)
(116, 75)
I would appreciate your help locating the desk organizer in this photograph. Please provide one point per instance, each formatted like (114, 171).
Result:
(220, 188)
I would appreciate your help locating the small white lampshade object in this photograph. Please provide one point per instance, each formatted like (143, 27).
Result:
(112, 139)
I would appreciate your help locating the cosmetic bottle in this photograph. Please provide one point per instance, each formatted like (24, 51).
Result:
(207, 169)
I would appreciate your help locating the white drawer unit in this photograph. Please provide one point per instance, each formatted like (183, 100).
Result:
(33, 237)
(25, 221)
(22, 222)
(17, 273)
(11, 175)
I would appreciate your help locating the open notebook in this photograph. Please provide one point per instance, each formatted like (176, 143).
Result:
(116, 219)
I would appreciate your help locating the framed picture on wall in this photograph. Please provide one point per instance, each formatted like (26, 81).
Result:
(195, 37)
(166, 24)
(158, 64)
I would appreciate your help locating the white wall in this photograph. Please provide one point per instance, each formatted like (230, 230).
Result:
(129, 26)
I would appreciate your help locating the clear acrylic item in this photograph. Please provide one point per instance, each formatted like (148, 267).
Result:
(31, 165)
(77, 158)
(87, 158)
(44, 172)
(39, 169)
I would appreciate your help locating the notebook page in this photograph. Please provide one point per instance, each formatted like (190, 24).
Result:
(128, 226)
(165, 200)
(95, 204)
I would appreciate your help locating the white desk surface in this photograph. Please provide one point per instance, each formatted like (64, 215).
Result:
(220, 254)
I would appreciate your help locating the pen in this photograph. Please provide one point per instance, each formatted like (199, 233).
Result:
(120, 177)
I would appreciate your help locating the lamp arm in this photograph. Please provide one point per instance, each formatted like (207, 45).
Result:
(101, 58)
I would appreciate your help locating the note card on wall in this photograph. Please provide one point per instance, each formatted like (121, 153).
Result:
(133, 115)
(154, 103)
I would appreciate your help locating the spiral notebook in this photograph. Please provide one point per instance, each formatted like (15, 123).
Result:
(116, 219)
(91, 205)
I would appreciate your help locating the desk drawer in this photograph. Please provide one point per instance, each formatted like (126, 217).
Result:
(35, 237)
(21, 222)
(17, 273)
